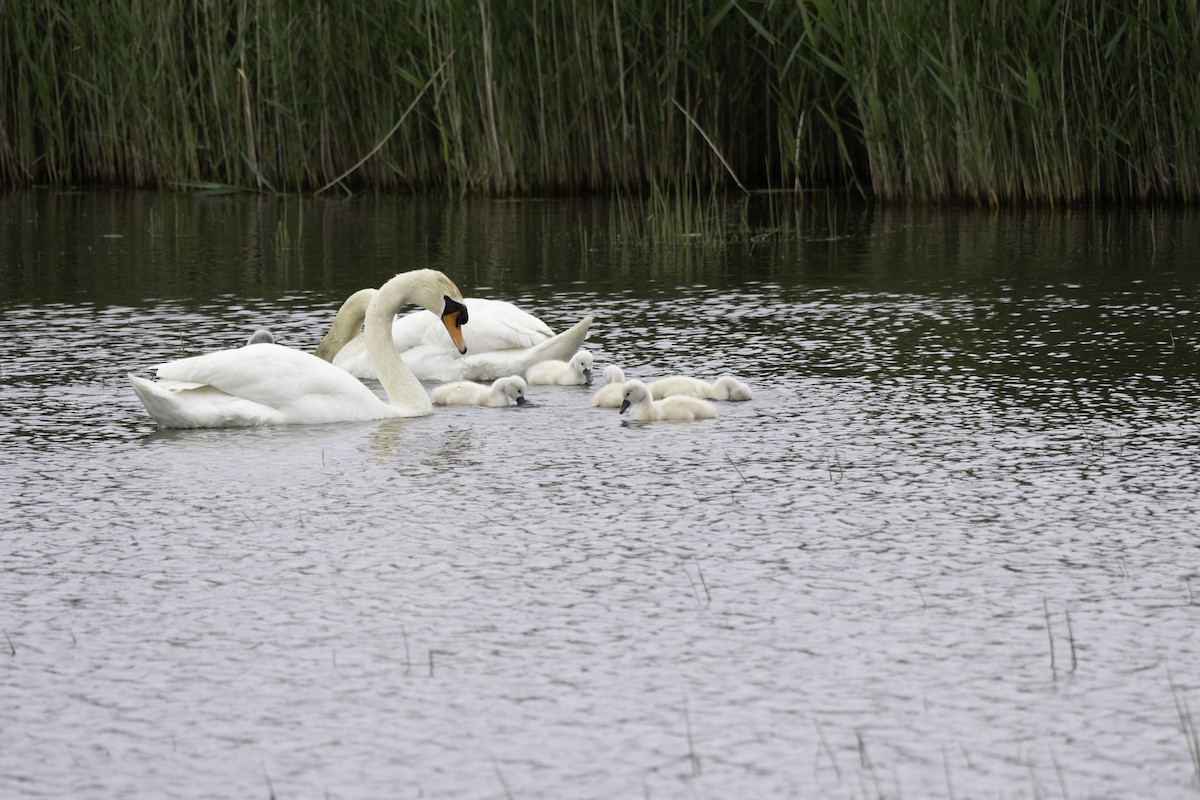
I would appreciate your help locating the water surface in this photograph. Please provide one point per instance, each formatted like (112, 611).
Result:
(948, 550)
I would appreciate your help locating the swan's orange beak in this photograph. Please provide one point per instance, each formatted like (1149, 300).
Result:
(454, 316)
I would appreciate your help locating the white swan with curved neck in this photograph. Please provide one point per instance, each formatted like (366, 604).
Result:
(469, 393)
(267, 384)
(642, 406)
(609, 395)
(502, 340)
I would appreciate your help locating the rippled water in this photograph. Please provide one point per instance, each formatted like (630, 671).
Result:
(948, 550)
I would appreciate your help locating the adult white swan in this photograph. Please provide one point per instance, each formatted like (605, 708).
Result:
(642, 406)
(469, 393)
(501, 340)
(267, 384)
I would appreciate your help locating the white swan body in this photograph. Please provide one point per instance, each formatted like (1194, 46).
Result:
(725, 387)
(469, 393)
(501, 340)
(261, 336)
(563, 373)
(678, 386)
(267, 384)
(728, 387)
(609, 395)
(642, 406)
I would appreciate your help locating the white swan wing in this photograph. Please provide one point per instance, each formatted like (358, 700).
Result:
(493, 325)
(266, 384)
(499, 325)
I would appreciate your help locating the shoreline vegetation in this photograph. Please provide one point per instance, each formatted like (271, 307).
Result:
(991, 102)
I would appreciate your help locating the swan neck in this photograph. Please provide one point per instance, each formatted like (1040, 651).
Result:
(402, 387)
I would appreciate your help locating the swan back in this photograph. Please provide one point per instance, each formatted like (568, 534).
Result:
(728, 387)
(639, 401)
(678, 385)
(609, 395)
(564, 373)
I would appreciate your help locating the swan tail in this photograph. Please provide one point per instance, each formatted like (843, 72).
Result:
(184, 404)
(562, 346)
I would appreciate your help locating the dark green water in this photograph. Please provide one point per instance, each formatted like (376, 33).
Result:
(949, 548)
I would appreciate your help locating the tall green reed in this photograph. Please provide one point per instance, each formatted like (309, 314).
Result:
(1053, 101)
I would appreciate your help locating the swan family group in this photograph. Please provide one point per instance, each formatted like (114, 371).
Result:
(463, 342)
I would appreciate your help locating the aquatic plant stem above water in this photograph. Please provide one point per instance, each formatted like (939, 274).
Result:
(990, 102)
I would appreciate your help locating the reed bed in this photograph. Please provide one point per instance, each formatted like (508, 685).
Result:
(1053, 101)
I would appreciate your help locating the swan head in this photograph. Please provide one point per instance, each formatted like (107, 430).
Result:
(454, 316)
(634, 392)
(613, 374)
(431, 290)
(514, 387)
(582, 362)
(346, 324)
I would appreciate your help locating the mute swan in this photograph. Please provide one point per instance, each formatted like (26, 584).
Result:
(642, 406)
(469, 393)
(501, 340)
(267, 384)
(609, 395)
(564, 373)
(725, 387)
(261, 336)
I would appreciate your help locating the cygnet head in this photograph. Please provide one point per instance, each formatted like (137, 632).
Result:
(613, 374)
(635, 392)
(261, 336)
(514, 386)
(582, 362)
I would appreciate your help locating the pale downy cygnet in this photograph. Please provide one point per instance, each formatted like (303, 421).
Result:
(642, 406)
(469, 393)
(728, 387)
(609, 395)
(564, 373)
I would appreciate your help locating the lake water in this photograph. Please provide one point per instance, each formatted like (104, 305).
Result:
(950, 549)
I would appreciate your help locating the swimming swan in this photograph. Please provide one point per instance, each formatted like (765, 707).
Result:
(261, 336)
(725, 387)
(678, 386)
(728, 387)
(642, 406)
(267, 384)
(501, 340)
(609, 395)
(469, 393)
(564, 373)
